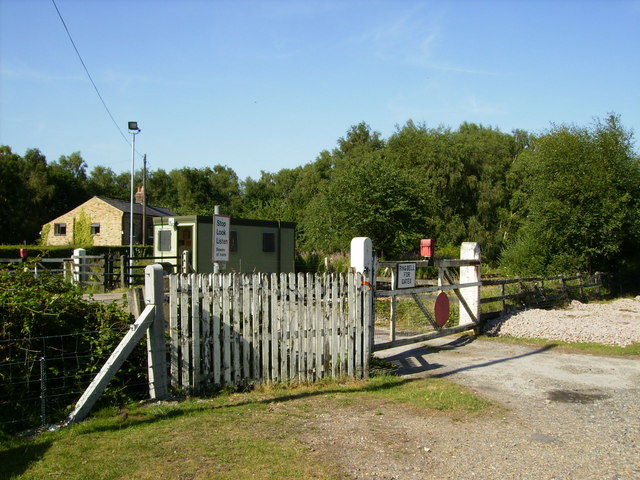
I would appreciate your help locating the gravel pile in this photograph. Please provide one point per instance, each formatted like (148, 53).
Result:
(613, 323)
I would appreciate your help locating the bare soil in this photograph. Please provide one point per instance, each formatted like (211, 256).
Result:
(558, 415)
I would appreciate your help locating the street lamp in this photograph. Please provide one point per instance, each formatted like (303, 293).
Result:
(133, 130)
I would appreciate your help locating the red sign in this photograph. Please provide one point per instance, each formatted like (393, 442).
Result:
(442, 309)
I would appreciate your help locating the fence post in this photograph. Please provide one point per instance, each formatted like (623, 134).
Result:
(363, 261)
(79, 266)
(156, 346)
(123, 269)
(470, 274)
(106, 272)
(186, 262)
(43, 391)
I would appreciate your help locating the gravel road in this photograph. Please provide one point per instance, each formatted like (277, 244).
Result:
(562, 415)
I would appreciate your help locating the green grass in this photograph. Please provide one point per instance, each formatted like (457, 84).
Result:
(409, 317)
(590, 348)
(253, 435)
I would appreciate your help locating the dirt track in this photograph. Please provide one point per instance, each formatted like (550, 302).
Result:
(566, 416)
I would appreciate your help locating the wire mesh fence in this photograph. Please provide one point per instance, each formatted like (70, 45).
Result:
(41, 378)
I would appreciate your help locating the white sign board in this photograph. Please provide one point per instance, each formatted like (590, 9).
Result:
(406, 275)
(221, 237)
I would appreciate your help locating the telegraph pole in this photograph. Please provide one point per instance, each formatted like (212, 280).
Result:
(144, 200)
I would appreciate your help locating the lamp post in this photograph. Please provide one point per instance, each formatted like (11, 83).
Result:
(133, 129)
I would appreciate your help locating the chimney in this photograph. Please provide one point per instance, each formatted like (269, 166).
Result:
(140, 196)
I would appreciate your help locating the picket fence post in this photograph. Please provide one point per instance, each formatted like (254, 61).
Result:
(156, 344)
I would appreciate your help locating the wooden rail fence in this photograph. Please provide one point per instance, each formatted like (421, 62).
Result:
(230, 329)
(537, 292)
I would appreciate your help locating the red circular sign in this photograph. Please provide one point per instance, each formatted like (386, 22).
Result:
(442, 309)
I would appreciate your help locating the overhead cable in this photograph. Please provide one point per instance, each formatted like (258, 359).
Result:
(88, 74)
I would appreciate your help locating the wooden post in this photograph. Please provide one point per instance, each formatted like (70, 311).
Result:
(392, 312)
(106, 272)
(115, 361)
(471, 274)
(79, 266)
(123, 275)
(363, 261)
(156, 344)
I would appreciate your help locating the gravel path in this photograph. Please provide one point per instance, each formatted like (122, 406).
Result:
(613, 323)
(565, 415)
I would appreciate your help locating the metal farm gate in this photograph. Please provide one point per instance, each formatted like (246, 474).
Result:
(460, 277)
(231, 329)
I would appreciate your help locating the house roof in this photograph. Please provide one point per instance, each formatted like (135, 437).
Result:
(124, 206)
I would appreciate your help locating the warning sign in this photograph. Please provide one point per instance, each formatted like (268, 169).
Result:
(406, 275)
(221, 235)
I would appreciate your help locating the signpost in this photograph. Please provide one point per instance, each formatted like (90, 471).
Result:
(406, 275)
(221, 236)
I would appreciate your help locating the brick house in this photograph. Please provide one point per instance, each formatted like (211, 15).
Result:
(101, 221)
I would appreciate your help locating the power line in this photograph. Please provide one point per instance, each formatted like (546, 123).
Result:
(89, 75)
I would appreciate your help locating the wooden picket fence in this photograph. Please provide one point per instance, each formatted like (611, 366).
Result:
(232, 329)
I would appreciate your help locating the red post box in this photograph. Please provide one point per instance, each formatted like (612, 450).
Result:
(427, 247)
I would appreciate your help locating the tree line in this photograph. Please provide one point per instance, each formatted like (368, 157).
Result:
(560, 201)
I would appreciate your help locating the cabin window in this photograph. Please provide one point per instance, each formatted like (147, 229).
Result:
(164, 240)
(95, 229)
(268, 242)
(233, 241)
(59, 228)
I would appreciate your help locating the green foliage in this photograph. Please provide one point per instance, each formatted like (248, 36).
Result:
(44, 234)
(366, 198)
(578, 202)
(46, 317)
(561, 201)
(82, 230)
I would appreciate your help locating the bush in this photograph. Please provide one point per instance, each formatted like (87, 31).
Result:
(47, 318)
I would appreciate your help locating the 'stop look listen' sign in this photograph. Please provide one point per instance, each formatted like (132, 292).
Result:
(221, 237)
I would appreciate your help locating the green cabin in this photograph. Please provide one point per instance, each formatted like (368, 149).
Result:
(254, 245)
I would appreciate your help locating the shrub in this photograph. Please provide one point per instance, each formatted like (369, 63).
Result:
(47, 318)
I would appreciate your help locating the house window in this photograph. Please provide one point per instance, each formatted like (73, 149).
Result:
(268, 242)
(233, 241)
(59, 228)
(95, 229)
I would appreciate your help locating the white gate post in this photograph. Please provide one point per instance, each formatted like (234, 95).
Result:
(79, 266)
(470, 274)
(156, 344)
(363, 261)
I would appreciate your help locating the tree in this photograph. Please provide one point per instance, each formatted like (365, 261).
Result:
(366, 198)
(104, 182)
(360, 140)
(199, 190)
(68, 178)
(161, 190)
(13, 196)
(429, 155)
(73, 164)
(579, 202)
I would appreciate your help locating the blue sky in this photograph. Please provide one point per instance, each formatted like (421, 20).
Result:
(266, 85)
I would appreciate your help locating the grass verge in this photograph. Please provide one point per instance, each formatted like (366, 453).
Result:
(254, 435)
(576, 347)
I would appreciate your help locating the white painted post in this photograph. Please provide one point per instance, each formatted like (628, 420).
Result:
(363, 261)
(79, 266)
(156, 344)
(186, 262)
(470, 274)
